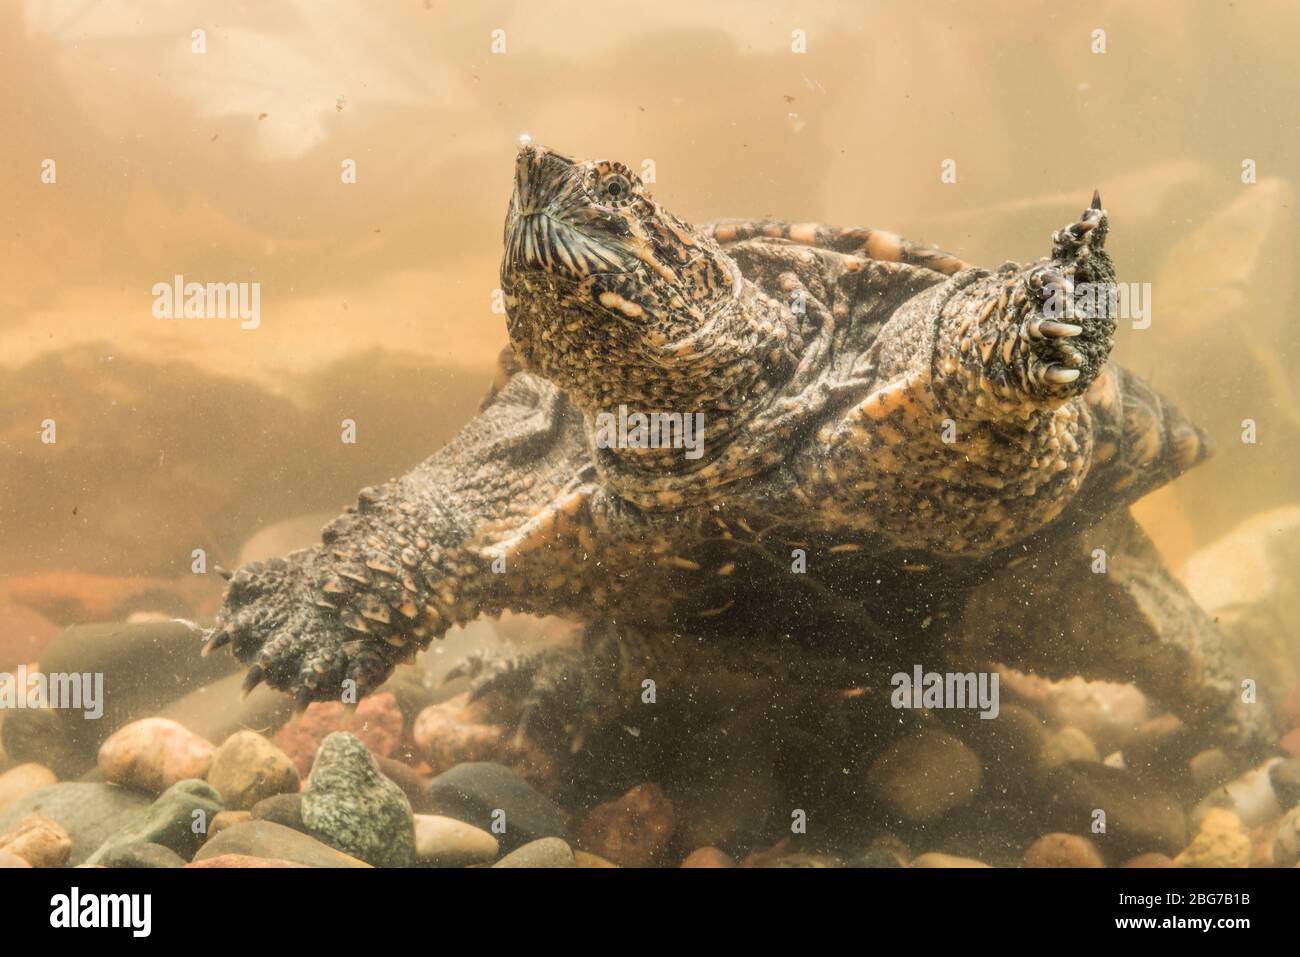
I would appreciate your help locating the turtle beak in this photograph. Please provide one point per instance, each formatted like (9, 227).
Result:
(539, 173)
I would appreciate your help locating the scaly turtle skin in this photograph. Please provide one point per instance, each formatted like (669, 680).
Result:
(894, 443)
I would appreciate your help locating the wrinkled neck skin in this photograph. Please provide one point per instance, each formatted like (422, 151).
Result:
(718, 376)
(707, 374)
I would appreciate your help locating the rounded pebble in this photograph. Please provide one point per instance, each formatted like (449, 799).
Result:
(153, 754)
(248, 768)
(1063, 850)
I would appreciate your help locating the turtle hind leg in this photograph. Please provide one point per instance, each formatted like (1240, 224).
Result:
(1103, 606)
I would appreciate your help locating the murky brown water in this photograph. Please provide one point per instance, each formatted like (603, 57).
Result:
(228, 165)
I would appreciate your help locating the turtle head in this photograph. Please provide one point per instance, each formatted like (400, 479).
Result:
(603, 286)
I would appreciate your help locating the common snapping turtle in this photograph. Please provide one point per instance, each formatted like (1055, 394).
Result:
(745, 446)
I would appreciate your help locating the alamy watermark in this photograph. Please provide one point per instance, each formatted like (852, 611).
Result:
(133, 912)
(948, 690)
(179, 299)
(1119, 300)
(651, 430)
(65, 691)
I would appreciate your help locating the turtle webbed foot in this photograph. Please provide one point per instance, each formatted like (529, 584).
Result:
(274, 620)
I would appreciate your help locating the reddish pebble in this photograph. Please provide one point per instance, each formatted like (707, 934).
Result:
(1063, 850)
(243, 860)
(377, 722)
(452, 732)
(1291, 742)
(1289, 713)
(632, 831)
(708, 857)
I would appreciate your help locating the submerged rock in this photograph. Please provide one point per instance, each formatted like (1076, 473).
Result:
(220, 709)
(377, 722)
(922, 777)
(486, 794)
(22, 780)
(141, 855)
(1221, 841)
(934, 859)
(1069, 744)
(1063, 850)
(177, 820)
(247, 861)
(283, 809)
(225, 819)
(708, 857)
(248, 768)
(1247, 581)
(351, 805)
(447, 842)
(152, 754)
(263, 839)
(448, 734)
(146, 666)
(38, 840)
(1286, 841)
(1252, 796)
(634, 830)
(1137, 817)
(547, 852)
(89, 812)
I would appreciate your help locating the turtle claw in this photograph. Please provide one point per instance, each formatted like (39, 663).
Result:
(218, 639)
(1059, 375)
(1058, 330)
(1074, 245)
(255, 676)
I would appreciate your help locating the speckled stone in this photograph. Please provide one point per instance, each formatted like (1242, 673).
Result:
(349, 804)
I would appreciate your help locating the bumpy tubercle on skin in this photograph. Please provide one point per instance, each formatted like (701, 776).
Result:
(739, 355)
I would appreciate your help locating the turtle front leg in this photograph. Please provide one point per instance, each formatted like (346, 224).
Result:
(1032, 337)
(498, 519)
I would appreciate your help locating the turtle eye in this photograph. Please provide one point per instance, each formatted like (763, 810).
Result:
(614, 189)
